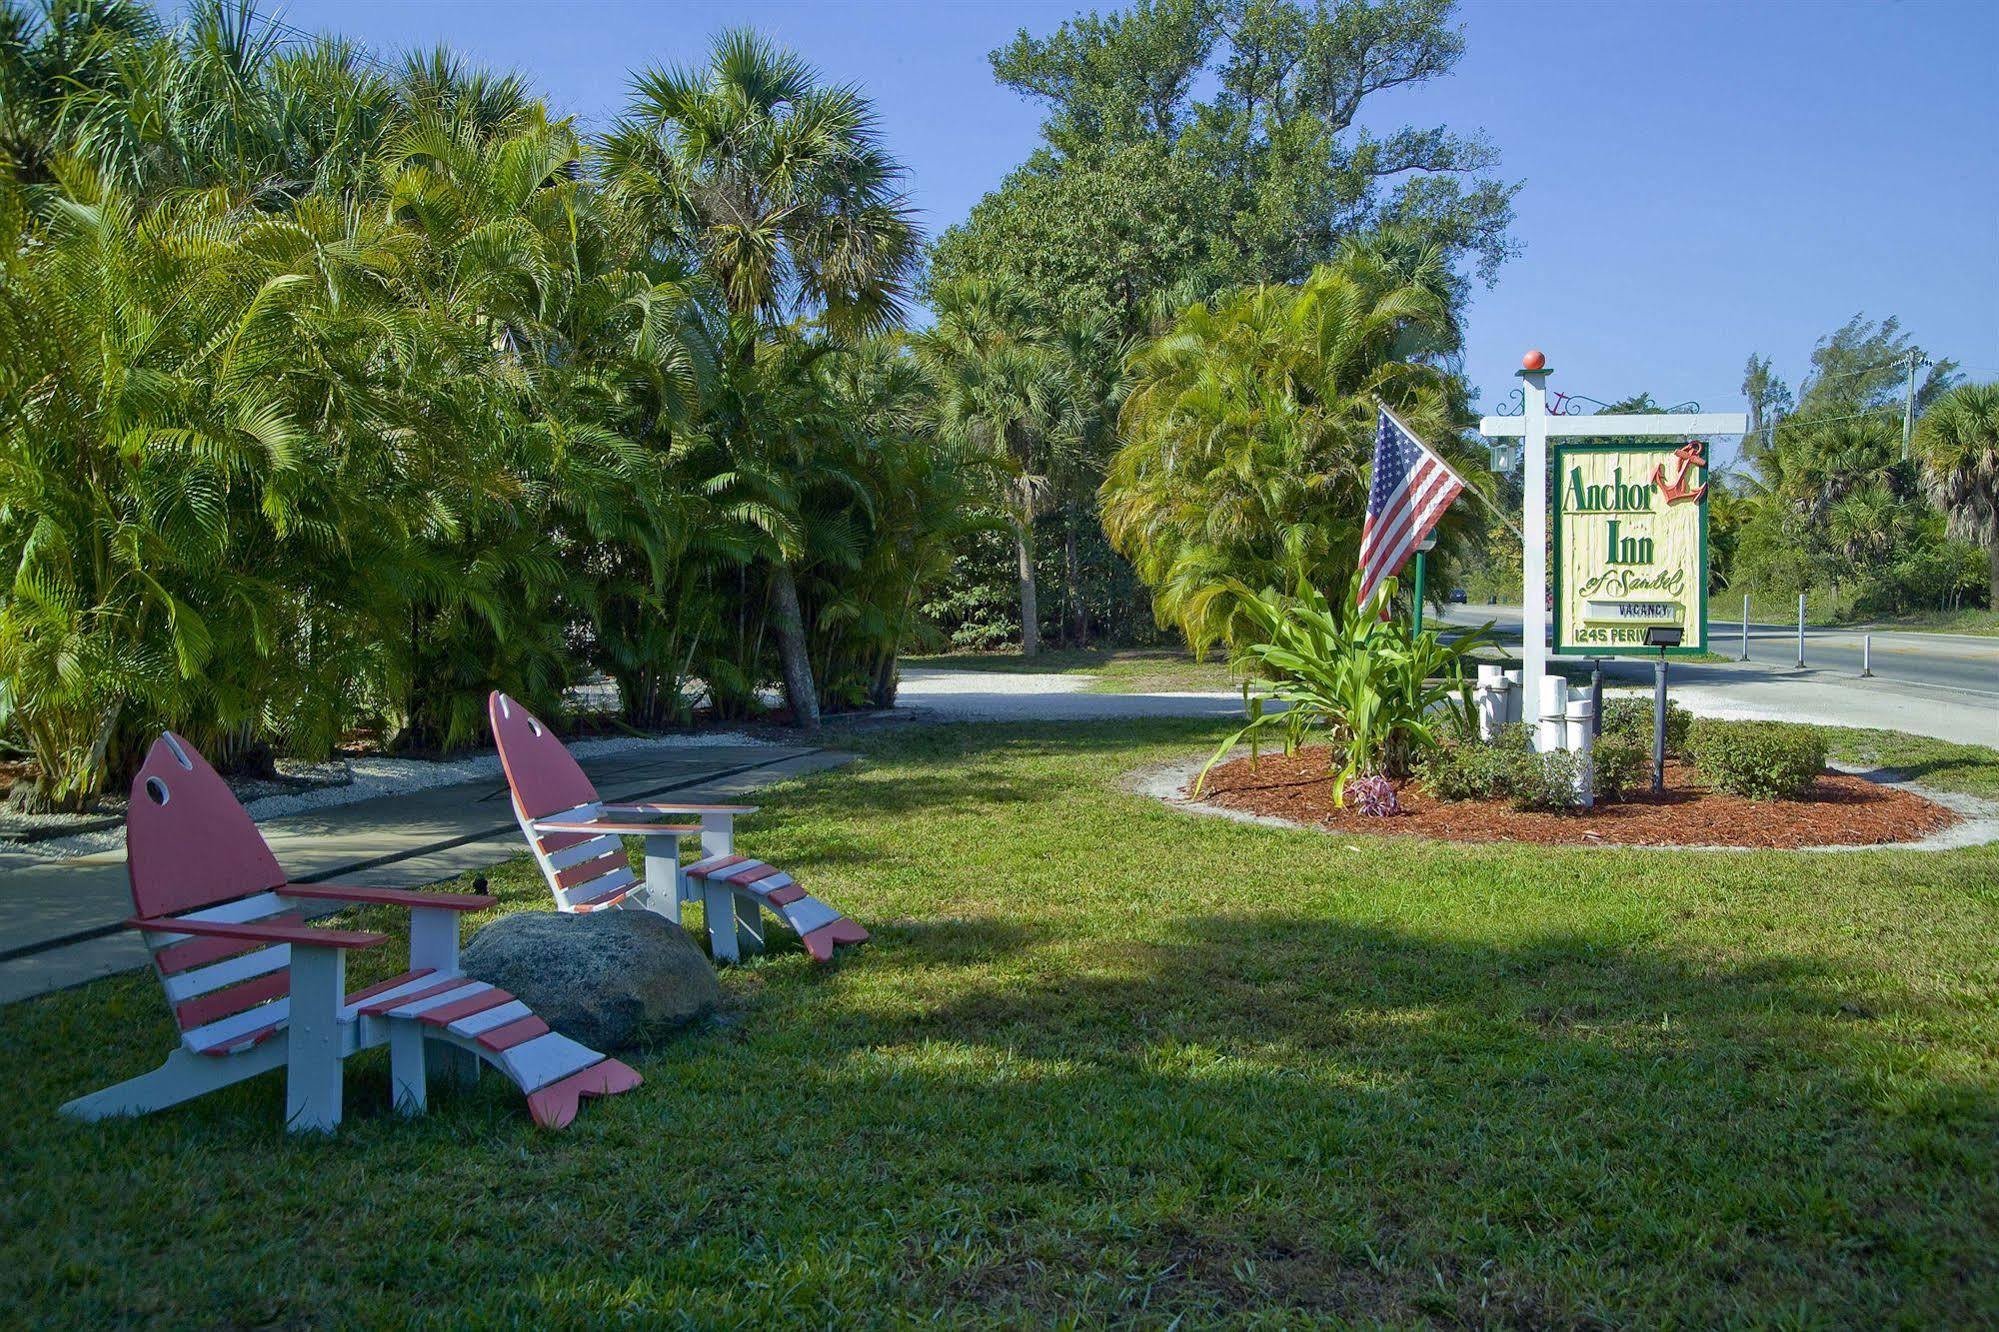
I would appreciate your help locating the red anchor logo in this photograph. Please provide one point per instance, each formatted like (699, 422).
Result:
(1680, 489)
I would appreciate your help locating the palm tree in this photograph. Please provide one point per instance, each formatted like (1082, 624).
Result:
(915, 495)
(780, 187)
(1248, 433)
(1091, 362)
(1958, 442)
(999, 374)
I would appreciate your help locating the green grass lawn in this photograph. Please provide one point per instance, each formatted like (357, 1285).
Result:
(1969, 621)
(1108, 1063)
(1973, 769)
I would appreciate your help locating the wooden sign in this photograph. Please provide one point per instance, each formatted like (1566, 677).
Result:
(1630, 525)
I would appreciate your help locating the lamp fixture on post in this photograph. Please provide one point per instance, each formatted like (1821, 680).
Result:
(1661, 636)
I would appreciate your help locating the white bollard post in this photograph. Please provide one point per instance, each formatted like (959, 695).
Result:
(1552, 733)
(1490, 700)
(1745, 628)
(1582, 734)
(1866, 656)
(1515, 712)
(1801, 631)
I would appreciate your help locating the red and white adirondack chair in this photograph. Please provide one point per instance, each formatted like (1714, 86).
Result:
(575, 839)
(254, 987)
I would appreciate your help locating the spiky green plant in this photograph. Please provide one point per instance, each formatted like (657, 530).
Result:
(1379, 691)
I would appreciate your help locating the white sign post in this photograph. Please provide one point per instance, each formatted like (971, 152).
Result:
(1534, 426)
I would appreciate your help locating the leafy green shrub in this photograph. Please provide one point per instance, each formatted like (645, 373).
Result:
(1622, 765)
(1544, 781)
(1505, 768)
(1761, 760)
(1631, 719)
(1471, 770)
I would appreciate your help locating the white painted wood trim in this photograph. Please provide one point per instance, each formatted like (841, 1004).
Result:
(434, 940)
(718, 901)
(749, 924)
(582, 851)
(808, 914)
(254, 907)
(574, 814)
(621, 877)
(349, 1012)
(718, 835)
(409, 1078)
(313, 1044)
(663, 879)
(482, 1022)
(223, 1030)
(1643, 425)
(183, 1077)
(547, 1058)
(416, 1007)
(242, 967)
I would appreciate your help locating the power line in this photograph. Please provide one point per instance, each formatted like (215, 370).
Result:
(299, 36)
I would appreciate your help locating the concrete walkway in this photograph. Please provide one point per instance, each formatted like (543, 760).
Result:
(62, 917)
(933, 693)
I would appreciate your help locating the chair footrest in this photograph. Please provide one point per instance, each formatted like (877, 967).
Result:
(821, 926)
(550, 1068)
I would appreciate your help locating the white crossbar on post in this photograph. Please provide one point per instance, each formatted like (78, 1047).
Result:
(1620, 426)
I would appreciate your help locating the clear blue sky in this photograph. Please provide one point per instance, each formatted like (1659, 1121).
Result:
(1700, 180)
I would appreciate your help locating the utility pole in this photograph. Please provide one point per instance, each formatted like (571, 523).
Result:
(1909, 403)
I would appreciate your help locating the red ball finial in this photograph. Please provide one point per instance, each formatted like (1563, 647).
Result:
(1534, 360)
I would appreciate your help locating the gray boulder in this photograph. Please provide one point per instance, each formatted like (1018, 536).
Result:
(607, 978)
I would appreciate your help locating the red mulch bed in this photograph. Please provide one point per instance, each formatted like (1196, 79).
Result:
(1841, 811)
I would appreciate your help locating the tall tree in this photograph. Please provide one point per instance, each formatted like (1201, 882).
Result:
(1863, 365)
(780, 186)
(993, 356)
(1769, 398)
(1225, 138)
(1959, 447)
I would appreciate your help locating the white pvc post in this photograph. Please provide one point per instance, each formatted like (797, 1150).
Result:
(1866, 656)
(1582, 733)
(1534, 537)
(1552, 733)
(1490, 698)
(1801, 631)
(1745, 628)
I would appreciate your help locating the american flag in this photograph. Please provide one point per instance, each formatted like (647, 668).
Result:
(1412, 488)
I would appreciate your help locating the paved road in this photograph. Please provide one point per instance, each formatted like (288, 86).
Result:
(934, 693)
(1758, 689)
(1950, 661)
(1942, 685)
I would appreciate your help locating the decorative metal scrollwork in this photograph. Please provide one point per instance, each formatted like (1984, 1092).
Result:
(1574, 404)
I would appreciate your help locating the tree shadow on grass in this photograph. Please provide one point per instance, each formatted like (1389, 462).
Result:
(1212, 1118)
(1360, 1122)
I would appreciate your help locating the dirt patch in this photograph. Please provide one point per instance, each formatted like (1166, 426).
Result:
(1841, 811)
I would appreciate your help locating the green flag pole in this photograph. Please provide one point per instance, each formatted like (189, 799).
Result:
(1422, 562)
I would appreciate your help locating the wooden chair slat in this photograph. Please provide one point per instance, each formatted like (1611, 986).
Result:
(236, 999)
